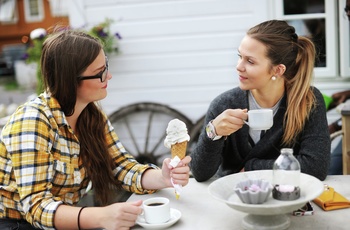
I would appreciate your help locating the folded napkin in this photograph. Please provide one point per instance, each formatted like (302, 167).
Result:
(178, 188)
(331, 200)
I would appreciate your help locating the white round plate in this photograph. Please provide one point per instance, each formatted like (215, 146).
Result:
(223, 190)
(175, 215)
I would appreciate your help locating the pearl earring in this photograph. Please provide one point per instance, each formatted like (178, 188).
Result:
(273, 78)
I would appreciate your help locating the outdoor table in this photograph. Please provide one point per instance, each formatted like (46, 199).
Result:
(201, 211)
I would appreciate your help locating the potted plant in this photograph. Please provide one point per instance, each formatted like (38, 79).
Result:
(38, 36)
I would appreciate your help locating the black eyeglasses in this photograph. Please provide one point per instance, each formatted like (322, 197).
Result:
(101, 75)
(347, 9)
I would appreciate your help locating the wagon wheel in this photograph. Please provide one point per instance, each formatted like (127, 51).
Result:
(141, 129)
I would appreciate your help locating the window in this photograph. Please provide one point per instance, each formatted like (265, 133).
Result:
(59, 8)
(316, 19)
(33, 10)
(344, 40)
(8, 11)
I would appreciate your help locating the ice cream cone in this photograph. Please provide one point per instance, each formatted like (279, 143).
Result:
(176, 140)
(179, 149)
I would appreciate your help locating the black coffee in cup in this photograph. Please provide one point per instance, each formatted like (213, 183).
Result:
(155, 204)
(156, 210)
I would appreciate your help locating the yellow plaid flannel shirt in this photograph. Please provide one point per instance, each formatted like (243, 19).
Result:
(40, 167)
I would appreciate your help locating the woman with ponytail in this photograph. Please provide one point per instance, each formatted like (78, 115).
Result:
(275, 70)
(57, 146)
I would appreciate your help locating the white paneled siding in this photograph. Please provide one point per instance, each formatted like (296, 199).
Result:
(181, 53)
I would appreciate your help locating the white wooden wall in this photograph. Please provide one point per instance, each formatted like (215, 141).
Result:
(181, 53)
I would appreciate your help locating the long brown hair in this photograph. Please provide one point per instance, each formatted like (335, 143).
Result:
(297, 53)
(66, 55)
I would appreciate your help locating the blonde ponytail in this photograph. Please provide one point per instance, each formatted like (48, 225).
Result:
(299, 93)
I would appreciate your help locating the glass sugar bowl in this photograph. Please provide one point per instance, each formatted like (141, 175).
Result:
(286, 176)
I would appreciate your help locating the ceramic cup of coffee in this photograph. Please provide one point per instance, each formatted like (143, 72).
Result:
(156, 210)
(260, 119)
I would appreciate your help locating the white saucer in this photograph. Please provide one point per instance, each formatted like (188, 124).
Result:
(175, 215)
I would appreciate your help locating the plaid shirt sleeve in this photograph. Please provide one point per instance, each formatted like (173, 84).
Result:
(128, 170)
(39, 164)
(28, 138)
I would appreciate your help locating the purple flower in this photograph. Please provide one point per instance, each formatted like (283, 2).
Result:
(25, 56)
(118, 36)
(102, 34)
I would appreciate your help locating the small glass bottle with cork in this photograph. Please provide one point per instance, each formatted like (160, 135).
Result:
(286, 176)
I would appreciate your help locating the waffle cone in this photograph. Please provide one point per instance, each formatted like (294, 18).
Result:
(179, 149)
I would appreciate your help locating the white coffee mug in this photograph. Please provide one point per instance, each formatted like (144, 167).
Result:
(260, 119)
(156, 210)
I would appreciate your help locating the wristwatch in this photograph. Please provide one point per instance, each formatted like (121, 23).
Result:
(210, 129)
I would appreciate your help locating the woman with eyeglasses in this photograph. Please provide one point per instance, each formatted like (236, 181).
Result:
(55, 147)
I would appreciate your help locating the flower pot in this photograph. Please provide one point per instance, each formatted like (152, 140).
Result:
(25, 74)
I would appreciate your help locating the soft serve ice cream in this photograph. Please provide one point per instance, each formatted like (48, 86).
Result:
(176, 139)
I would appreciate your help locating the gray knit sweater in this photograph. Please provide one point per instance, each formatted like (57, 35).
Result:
(229, 155)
